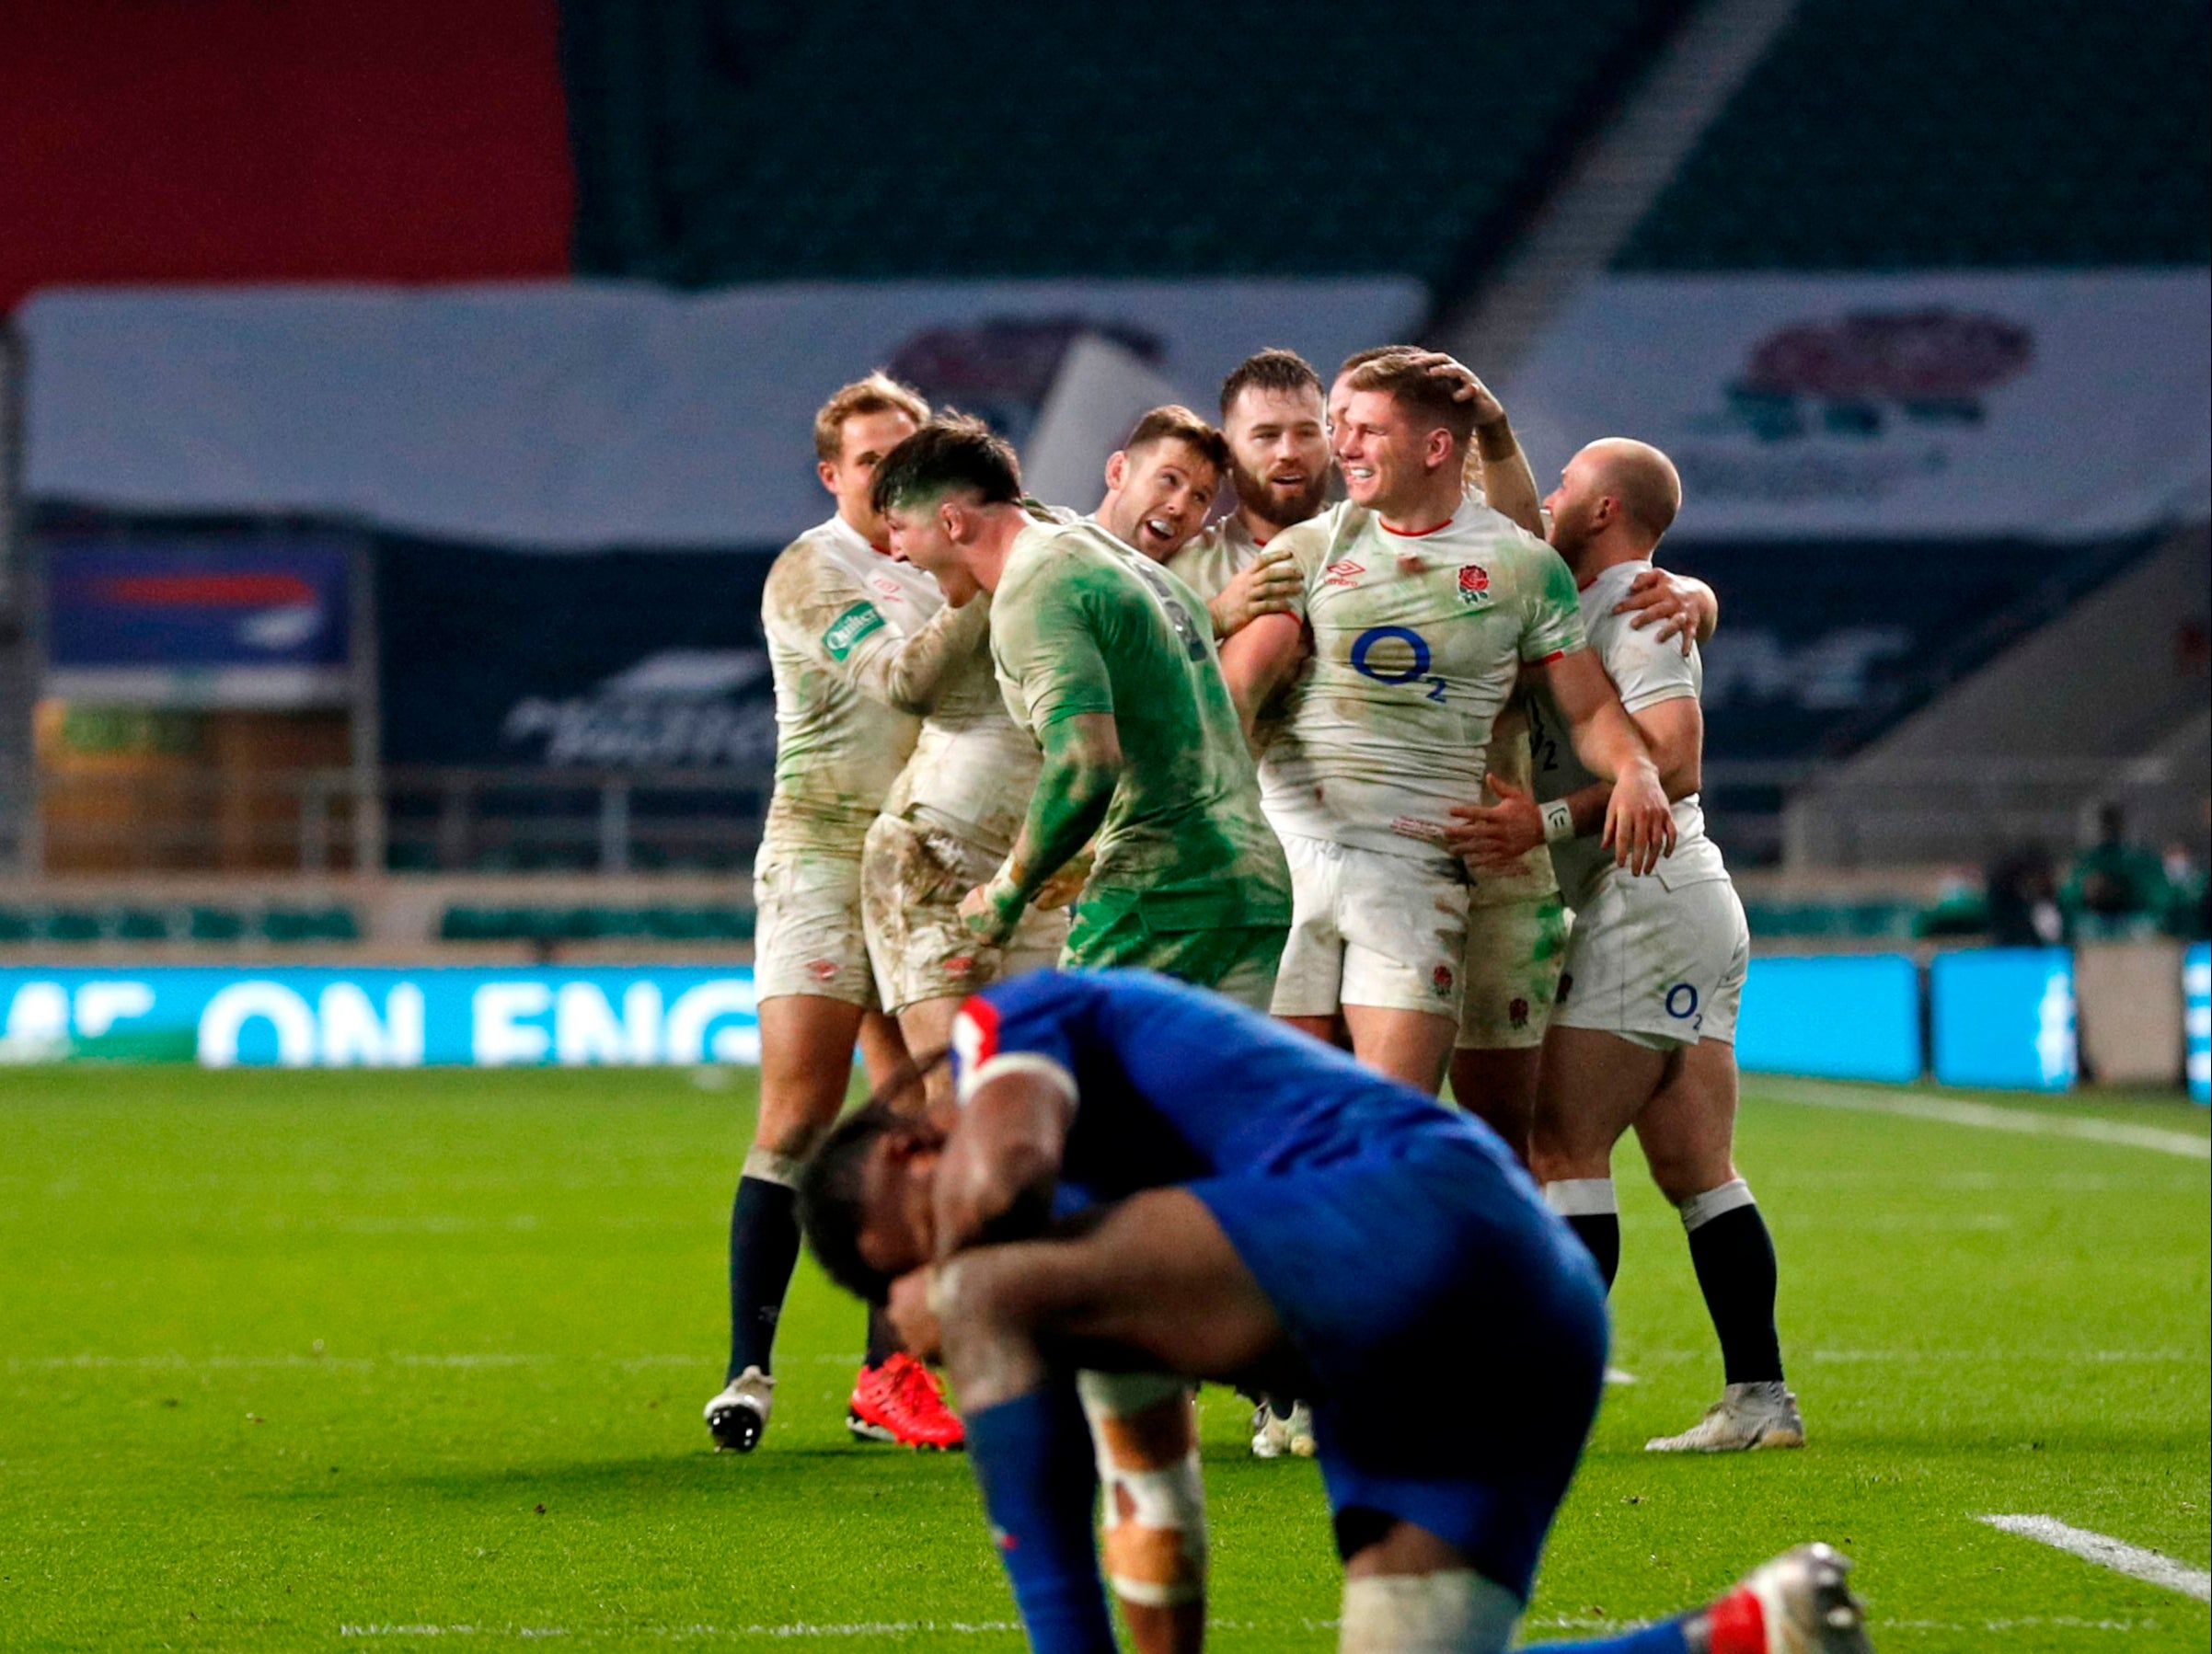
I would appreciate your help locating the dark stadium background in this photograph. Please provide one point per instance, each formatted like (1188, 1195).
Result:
(402, 400)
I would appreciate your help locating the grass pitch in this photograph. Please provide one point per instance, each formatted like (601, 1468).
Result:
(292, 1361)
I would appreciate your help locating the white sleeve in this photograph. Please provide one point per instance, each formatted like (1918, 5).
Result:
(1644, 669)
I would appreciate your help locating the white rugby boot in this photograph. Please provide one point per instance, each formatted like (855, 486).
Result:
(740, 1413)
(1804, 1605)
(1273, 1437)
(1746, 1416)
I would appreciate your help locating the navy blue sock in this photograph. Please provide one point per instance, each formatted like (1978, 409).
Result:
(1032, 1458)
(1601, 1232)
(1733, 1255)
(764, 1249)
(882, 1338)
(1667, 1638)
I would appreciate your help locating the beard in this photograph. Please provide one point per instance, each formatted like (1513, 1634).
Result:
(1271, 501)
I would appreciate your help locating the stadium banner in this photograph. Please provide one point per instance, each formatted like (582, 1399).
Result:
(634, 660)
(589, 415)
(381, 1017)
(2196, 1010)
(2046, 406)
(255, 620)
(1832, 1017)
(2002, 1019)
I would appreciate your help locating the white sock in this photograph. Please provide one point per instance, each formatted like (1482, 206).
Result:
(1701, 1210)
(1582, 1198)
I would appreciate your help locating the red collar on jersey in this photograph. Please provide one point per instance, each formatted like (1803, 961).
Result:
(1415, 534)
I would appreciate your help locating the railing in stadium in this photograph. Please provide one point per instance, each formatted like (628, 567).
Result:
(474, 820)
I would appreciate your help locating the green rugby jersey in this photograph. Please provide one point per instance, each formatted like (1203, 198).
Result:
(1080, 624)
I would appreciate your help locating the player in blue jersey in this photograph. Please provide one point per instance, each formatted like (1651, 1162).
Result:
(1149, 1183)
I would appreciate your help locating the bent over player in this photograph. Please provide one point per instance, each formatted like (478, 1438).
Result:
(860, 645)
(1644, 1033)
(1144, 1179)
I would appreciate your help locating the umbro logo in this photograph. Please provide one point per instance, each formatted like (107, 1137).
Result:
(1346, 573)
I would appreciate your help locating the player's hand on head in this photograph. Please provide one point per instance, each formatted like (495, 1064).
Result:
(1269, 586)
(1466, 385)
(1640, 822)
(1667, 601)
(1493, 835)
(912, 1311)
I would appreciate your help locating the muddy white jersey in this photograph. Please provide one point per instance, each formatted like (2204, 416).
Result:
(837, 614)
(1216, 555)
(1646, 672)
(973, 767)
(1530, 877)
(1417, 642)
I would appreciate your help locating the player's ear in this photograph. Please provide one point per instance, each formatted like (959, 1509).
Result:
(1117, 470)
(828, 472)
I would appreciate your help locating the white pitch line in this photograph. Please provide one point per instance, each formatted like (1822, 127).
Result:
(1957, 1112)
(2133, 1560)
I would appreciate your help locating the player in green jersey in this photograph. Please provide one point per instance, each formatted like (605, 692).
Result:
(1108, 660)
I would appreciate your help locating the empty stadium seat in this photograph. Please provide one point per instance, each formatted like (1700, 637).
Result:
(597, 923)
(1901, 134)
(204, 924)
(712, 148)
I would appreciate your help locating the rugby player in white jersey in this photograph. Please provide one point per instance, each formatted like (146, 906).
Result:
(1424, 606)
(1643, 1032)
(1516, 925)
(1278, 459)
(861, 645)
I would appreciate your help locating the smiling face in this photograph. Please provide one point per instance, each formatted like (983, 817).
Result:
(930, 535)
(863, 441)
(1387, 456)
(1157, 496)
(1579, 508)
(1279, 453)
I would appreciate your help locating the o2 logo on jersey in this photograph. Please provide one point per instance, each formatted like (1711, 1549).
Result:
(1474, 583)
(1394, 655)
(1682, 1004)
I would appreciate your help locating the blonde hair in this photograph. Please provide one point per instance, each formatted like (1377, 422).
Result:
(878, 392)
(1398, 376)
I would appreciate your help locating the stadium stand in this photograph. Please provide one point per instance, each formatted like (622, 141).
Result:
(705, 130)
(274, 925)
(1901, 135)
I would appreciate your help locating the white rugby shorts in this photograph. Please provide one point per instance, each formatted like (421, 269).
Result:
(1659, 966)
(1368, 928)
(808, 937)
(913, 876)
(1514, 953)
